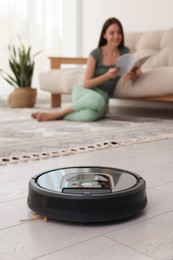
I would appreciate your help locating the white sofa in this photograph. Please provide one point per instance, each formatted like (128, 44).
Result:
(155, 84)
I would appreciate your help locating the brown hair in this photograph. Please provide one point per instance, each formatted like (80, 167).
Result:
(109, 22)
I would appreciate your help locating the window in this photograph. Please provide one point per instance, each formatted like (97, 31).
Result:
(39, 23)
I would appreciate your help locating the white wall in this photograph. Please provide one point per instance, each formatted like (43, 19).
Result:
(135, 15)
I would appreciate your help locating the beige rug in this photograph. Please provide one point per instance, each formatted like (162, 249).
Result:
(24, 139)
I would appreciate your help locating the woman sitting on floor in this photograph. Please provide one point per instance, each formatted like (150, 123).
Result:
(90, 100)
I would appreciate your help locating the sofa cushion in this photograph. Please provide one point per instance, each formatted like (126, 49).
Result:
(61, 80)
(167, 39)
(156, 82)
(160, 59)
(150, 40)
(158, 44)
(132, 39)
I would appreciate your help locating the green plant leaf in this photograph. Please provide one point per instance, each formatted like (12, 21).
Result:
(21, 64)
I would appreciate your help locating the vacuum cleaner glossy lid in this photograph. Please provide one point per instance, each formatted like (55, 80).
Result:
(87, 194)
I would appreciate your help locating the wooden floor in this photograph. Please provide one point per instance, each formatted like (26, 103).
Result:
(144, 237)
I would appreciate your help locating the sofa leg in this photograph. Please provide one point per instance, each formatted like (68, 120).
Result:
(55, 100)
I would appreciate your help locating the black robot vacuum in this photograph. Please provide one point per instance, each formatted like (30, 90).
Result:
(87, 194)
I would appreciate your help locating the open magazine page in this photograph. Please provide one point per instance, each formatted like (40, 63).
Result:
(128, 62)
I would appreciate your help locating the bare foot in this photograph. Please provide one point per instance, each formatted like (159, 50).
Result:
(48, 116)
(34, 115)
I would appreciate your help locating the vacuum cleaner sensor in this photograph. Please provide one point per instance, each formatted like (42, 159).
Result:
(87, 194)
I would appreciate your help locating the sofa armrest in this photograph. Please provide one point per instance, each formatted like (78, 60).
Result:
(56, 62)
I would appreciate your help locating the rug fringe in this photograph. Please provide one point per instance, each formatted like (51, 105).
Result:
(88, 148)
(45, 155)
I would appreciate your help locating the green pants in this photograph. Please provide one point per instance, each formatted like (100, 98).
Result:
(89, 104)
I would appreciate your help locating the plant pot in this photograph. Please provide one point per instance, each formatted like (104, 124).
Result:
(22, 97)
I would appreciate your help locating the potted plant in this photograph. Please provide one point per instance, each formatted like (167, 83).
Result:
(22, 65)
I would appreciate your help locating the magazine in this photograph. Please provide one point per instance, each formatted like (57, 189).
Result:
(128, 62)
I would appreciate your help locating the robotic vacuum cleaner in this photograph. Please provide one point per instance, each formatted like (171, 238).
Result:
(87, 194)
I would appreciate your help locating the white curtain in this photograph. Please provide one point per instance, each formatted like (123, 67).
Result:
(39, 24)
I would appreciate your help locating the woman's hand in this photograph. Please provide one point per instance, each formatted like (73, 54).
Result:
(132, 75)
(112, 72)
